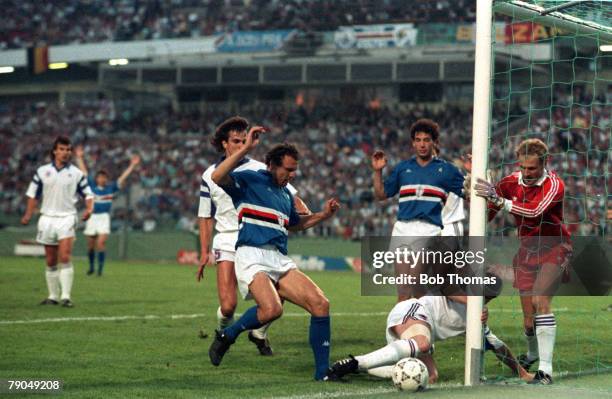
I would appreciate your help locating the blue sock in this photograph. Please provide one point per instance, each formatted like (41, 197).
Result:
(248, 321)
(92, 256)
(101, 257)
(320, 340)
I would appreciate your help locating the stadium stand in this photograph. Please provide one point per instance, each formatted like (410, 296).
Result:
(336, 143)
(24, 23)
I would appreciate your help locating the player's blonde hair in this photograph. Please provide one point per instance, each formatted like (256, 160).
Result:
(533, 147)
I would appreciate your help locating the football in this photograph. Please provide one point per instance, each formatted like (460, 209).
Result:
(410, 375)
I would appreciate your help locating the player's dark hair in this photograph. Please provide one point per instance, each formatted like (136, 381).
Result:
(102, 172)
(278, 152)
(59, 140)
(235, 123)
(426, 126)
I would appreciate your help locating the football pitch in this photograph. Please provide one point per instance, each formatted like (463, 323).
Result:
(143, 330)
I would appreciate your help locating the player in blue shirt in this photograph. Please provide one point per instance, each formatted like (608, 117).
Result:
(97, 228)
(423, 183)
(266, 212)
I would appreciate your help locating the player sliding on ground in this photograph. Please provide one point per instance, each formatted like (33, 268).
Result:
(266, 212)
(534, 196)
(412, 327)
(217, 211)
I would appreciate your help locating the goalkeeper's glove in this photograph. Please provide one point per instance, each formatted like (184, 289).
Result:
(487, 191)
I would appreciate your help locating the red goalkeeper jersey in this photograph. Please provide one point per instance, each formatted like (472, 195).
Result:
(537, 209)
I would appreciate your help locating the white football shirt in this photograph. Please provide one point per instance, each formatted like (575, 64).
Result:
(58, 189)
(453, 209)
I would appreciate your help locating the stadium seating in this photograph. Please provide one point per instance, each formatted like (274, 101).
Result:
(25, 22)
(335, 142)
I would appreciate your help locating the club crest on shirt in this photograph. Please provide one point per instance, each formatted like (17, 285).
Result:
(419, 191)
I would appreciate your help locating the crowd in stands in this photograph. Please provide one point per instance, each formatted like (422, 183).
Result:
(335, 142)
(55, 22)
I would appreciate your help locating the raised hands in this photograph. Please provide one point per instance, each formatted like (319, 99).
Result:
(379, 160)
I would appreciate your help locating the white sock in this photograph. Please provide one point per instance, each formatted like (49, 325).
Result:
(222, 320)
(53, 282)
(546, 330)
(66, 275)
(389, 355)
(532, 344)
(381, 372)
(262, 332)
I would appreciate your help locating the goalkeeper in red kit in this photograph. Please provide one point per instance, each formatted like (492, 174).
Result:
(534, 196)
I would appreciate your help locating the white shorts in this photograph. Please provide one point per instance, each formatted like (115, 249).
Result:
(412, 234)
(221, 255)
(97, 224)
(454, 229)
(224, 246)
(252, 260)
(225, 242)
(52, 229)
(403, 311)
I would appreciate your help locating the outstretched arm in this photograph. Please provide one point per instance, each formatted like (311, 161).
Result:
(221, 174)
(308, 221)
(504, 354)
(300, 206)
(134, 161)
(79, 155)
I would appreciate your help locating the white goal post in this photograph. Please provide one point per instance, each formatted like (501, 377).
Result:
(559, 16)
(478, 206)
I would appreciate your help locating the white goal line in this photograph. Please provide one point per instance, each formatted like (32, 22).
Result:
(197, 315)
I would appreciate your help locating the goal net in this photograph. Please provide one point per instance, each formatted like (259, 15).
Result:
(552, 80)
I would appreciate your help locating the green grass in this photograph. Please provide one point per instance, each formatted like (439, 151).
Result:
(164, 245)
(164, 357)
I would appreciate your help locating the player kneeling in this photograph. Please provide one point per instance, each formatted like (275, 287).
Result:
(412, 327)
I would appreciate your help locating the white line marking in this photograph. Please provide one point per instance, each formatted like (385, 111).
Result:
(197, 315)
(368, 391)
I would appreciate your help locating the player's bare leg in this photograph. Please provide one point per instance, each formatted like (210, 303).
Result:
(66, 270)
(528, 359)
(52, 276)
(101, 248)
(226, 290)
(299, 289)
(546, 284)
(268, 308)
(415, 339)
(91, 254)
